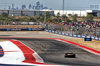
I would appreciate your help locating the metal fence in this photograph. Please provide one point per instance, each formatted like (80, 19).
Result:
(74, 30)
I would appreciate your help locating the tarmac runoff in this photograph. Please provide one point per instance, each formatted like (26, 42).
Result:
(16, 53)
(52, 51)
(35, 34)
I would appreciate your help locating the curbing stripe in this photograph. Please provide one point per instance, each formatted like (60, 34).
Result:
(28, 53)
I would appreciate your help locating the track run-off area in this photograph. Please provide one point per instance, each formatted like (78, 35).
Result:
(52, 51)
(52, 48)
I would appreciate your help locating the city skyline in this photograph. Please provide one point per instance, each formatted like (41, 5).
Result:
(37, 6)
(54, 4)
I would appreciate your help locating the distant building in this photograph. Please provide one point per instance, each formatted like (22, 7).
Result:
(25, 12)
(41, 6)
(33, 7)
(40, 12)
(50, 9)
(37, 5)
(78, 12)
(45, 7)
(9, 7)
(30, 6)
(17, 8)
(23, 7)
(12, 6)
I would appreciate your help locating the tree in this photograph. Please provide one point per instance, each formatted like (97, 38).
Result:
(53, 15)
(74, 19)
(45, 15)
(83, 18)
(89, 18)
(63, 17)
(37, 18)
(17, 20)
(4, 14)
(32, 19)
(24, 19)
(12, 19)
(48, 15)
(75, 15)
(70, 15)
(55, 20)
(58, 15)
(22, 13)
(49, 19)
(68, 20)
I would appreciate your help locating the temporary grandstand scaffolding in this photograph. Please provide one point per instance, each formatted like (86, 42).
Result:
(74, 30)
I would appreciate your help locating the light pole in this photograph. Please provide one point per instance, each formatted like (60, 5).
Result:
(52, 18)
(63, 9)
(65, 16)
(63, 6)
(45, 16)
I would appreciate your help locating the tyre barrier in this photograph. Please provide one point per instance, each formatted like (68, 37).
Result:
(22, 29)
(72, 35)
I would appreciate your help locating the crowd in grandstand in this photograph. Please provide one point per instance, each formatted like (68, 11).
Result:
(88, 25)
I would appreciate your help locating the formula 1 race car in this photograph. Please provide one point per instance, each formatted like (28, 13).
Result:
(70, 55)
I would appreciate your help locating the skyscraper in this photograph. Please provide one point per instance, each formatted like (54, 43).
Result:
(33, 7)
(30, 6)
(23, 7)
(50, 9)
(9, 7)
(41, 6)
(45, 7)
(16, 7)
(12, 6)
(37, 5)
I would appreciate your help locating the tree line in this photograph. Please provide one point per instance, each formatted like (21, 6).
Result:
(45, 17)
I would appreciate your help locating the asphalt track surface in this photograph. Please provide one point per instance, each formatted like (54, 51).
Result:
(53, 51)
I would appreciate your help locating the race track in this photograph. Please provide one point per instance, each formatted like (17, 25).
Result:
(53, 51)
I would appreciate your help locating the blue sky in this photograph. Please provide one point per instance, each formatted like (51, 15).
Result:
(54, 4)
